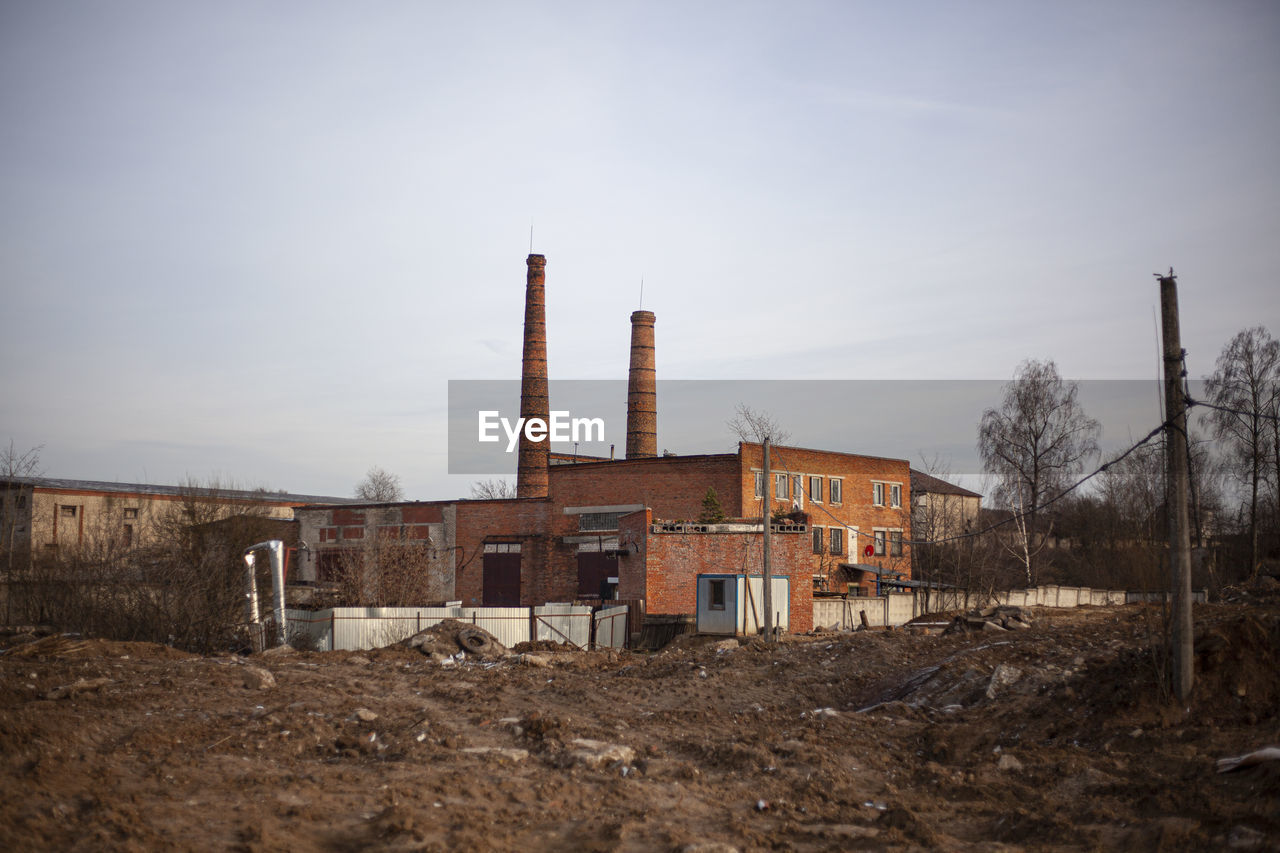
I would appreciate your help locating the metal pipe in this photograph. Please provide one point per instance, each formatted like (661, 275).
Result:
(275, 550)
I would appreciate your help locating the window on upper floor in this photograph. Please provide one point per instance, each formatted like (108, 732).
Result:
(815, 489)
(67, 511)
(759, 484)
(877, 494)
(895, 495)
(817, 540)
(131, 512)
(837, 540)
(879, 540)
(836, 490)
(780, 482)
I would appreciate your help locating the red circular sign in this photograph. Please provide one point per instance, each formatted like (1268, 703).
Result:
(869, 550)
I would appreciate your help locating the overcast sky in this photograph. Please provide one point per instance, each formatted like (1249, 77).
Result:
(255, 240)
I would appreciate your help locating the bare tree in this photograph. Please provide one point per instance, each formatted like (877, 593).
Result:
(14, 467)
(496, 489)
(751, 425)
(1032, 445)
(1244, 387)
(380, 486)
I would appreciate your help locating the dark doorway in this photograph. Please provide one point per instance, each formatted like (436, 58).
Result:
(501, 580)
(594, 570)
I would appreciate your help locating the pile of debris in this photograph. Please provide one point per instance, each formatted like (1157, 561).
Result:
(452, 640)
(1005, 617)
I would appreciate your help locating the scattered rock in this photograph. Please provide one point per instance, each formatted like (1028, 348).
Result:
(278, 651)
(726, 645)
(257, 678)
(498, 753)
(1008, 762)
(597, 754)
(362, 715)
(1003, 676)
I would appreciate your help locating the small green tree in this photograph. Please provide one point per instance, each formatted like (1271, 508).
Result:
(712, 512)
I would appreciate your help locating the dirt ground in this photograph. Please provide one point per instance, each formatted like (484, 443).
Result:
(1054, 738)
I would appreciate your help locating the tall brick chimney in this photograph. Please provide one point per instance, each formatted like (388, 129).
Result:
(531, 473)
(642, 389)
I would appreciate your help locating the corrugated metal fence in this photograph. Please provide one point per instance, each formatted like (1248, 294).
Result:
(351, 628)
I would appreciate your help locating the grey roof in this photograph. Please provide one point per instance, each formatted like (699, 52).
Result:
(922, 483)
(176, 491)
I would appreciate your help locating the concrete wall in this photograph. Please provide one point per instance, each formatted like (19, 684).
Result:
(899, 608)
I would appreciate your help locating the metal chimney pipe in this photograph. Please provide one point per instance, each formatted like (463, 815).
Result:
(642, 389)
(531, 472)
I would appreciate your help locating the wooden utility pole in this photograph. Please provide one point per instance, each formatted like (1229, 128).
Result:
(1176, 468)
(767, 596)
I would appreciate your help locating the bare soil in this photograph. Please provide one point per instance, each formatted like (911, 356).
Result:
(1054, 738)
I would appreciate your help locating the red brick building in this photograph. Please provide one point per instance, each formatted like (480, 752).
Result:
(563, 538)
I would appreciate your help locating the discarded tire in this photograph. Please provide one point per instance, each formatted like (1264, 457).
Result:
(475, 641)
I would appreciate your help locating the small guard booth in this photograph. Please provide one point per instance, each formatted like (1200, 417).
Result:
(734, 604)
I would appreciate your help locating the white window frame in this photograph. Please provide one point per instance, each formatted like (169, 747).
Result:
(781, 480)
(797, 489)
(880, 539)
(895, 495)
(815, 494)
(759, 482)
(835, 485)
(877, 493)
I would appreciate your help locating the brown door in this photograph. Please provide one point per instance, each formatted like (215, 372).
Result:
(594, 570)
(501, 580)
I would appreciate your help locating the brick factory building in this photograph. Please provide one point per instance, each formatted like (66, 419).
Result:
(578, 522)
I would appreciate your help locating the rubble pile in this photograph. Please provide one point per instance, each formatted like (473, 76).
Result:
(1005, 617)
(454, 640)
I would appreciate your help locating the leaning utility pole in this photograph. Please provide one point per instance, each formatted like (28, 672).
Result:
(1176, 468)
(767, 593)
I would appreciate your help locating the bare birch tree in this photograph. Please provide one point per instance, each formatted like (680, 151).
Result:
(1244, 387)
(1032, 445)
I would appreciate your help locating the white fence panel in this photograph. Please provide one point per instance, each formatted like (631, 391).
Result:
(312, 626)
(509, 624)
(563, 623)
(611, 627)
(899, 608)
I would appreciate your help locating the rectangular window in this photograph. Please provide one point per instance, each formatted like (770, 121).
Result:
(895, 543)
(837, 489)
(837, 540)
(131, 512)
(589, 521)
(879, 535)
(815, 489)
(796, 493)
(817, 540)
(877, 494)
(780, 486)
(759, 484)
(895, 495)
(68, 511)
(717, 595)
(502, 548)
